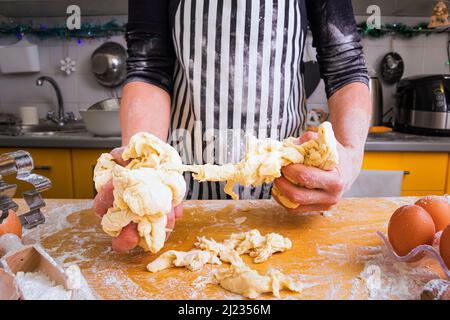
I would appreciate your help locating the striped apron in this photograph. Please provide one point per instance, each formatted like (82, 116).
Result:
(238, 72)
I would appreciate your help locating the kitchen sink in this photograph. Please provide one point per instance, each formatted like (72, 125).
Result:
(41, 130)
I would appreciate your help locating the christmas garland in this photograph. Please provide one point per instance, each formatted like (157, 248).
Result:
(91, 31)
(87, 31)
(399, 29)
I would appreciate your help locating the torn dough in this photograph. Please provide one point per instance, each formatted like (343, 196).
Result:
(264, 159)
(193, 260)
(144, 191)
(152, 183)
(249, 283)
(239, 277)
(259, 247)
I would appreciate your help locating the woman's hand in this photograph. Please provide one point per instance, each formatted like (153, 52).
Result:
(129, 237)
(314, 189)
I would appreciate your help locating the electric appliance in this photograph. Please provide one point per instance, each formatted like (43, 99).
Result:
(423, 105)
(376, 95)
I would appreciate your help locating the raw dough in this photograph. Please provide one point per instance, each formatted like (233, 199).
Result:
(264, 159)
(284, 201)
(193, 260)
(103, 170)
(249, 283)
(259, 247)
(152, 183)
(144, 191)
(239, 277)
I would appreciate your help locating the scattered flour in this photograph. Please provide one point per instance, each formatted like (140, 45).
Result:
(38, 286)
(435, 289)
(385, 279)
(327, 214)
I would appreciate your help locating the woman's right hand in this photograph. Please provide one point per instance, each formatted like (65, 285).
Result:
(128, 237)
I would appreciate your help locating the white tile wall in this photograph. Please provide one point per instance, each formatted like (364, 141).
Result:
(80, 89)
(423, 54)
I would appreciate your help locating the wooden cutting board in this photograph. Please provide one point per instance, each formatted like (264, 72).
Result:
(328, 255)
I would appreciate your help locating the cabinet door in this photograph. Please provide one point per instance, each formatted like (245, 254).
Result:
(447, 191)
(83, 163)
(425, 172)
(54, 164)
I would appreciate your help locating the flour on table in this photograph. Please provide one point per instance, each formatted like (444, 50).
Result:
(238, 277)
(385, 279)
(38, 286)
(152, 183)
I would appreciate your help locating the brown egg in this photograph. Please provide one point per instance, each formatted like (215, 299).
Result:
(444, 246)
(11, 225)
(439, 210)
(409, 227)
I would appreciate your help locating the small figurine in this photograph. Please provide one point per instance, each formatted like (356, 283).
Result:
(440, 15)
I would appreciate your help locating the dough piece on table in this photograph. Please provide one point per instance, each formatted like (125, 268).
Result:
(249, 283)
(239, 277)
(252, 242)
(273, 243)
(193, 260)
(264, 159)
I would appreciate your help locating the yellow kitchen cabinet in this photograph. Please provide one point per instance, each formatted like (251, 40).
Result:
(83, 163)
(54, 164)
(425, 173)
(447, 191)
(421, 193)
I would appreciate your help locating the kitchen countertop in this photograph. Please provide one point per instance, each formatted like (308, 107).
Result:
(334, 255)
(391, 141)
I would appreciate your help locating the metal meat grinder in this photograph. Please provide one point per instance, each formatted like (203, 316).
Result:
(21, 164)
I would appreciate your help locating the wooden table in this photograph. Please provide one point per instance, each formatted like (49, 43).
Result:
(329, 252)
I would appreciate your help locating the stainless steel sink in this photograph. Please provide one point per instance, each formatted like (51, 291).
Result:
(42, 130)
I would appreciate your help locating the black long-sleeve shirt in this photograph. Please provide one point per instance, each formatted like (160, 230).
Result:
(151, 52)
(234, 67)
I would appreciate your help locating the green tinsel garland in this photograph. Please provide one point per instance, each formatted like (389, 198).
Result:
(91, 31)
(88, 30)
(397, 29)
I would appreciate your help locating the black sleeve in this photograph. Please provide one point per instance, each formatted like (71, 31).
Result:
(337, 41)
(149, 41)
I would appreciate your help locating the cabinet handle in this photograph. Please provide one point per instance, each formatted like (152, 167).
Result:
(406, 173)
(46, 168)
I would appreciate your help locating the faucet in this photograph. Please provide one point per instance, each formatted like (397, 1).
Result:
(62, 118)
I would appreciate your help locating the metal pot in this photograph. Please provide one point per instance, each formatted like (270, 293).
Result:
(108, 64)
(376, 95)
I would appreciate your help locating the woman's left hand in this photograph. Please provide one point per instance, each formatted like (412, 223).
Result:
(314, 189)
